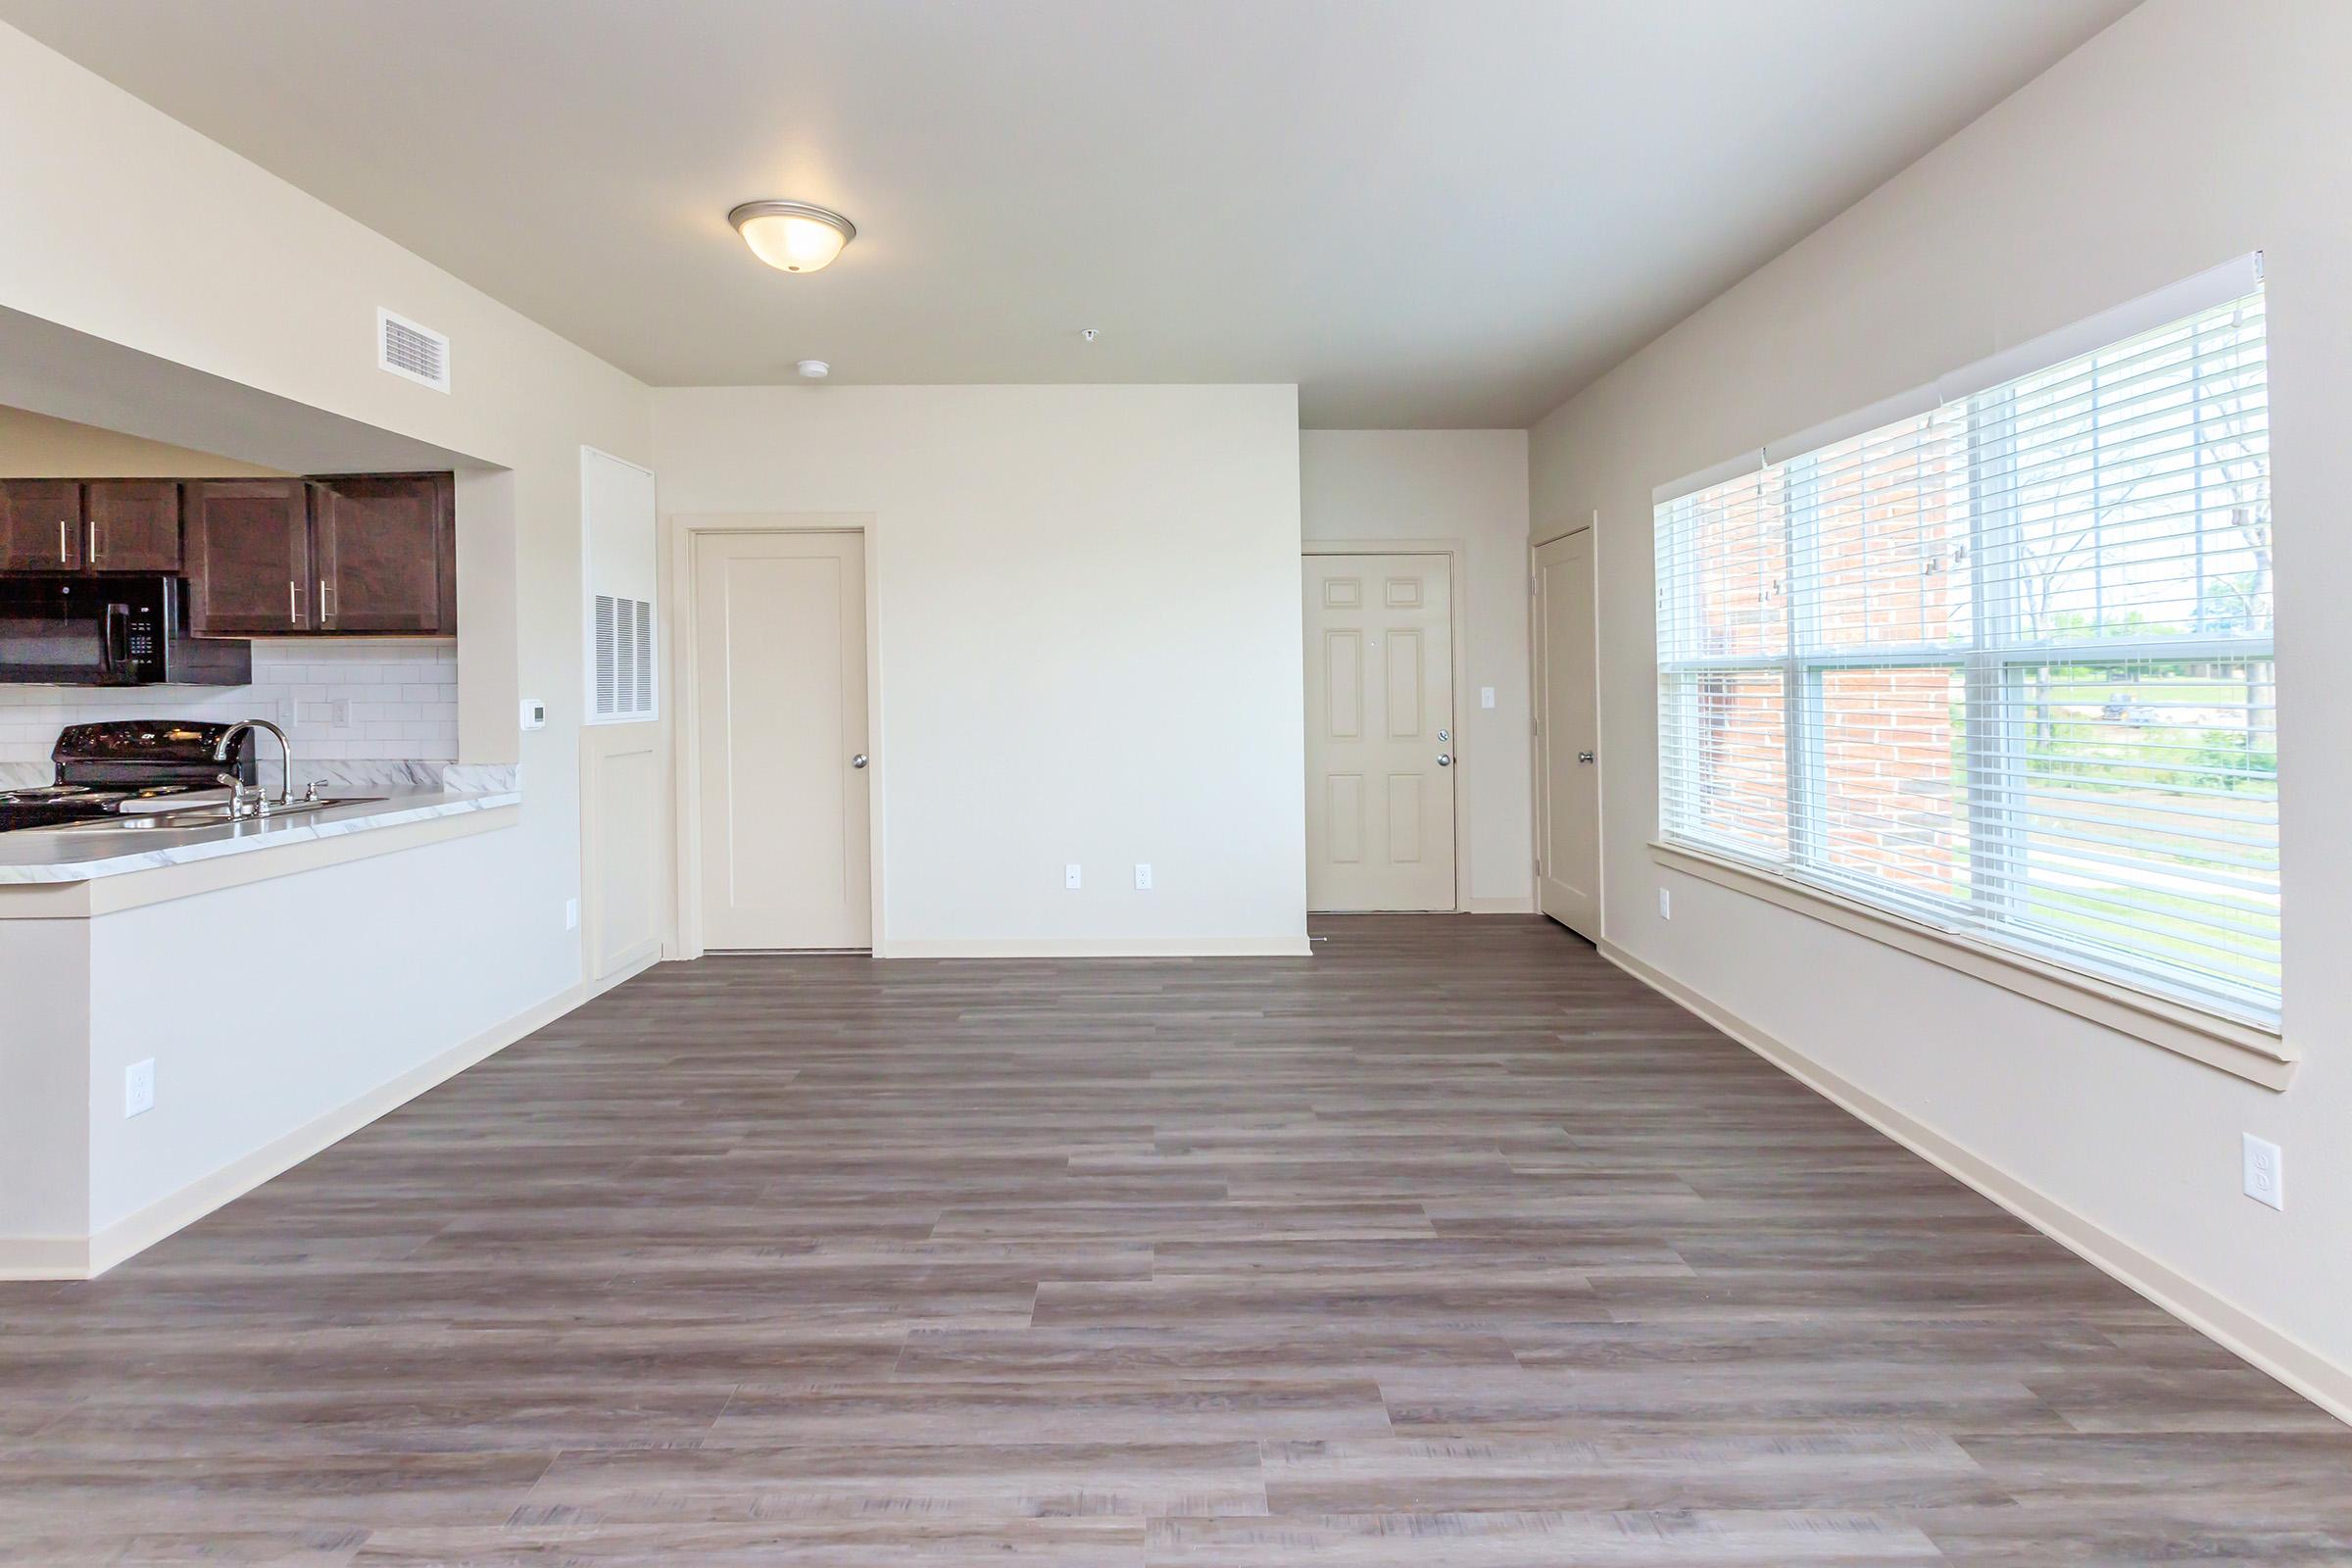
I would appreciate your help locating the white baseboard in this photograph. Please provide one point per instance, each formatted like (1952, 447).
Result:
(1524, 904)
(2292, 1362)
(44, 1257)
(631, 965)
(1101, 947)
(79, 1258)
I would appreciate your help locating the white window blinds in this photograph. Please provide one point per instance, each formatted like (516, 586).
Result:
(2004, 666)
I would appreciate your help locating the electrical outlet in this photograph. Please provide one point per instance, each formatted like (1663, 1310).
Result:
(1665, 904)
(1485, 696)
(138, 1088)
(1142, 876)
(571, 915)
(1069, 875)
(2266, 1180)
(338, 712)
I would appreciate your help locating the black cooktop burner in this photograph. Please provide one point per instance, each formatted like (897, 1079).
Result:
(47, 808)
(99, 766)
(52, 805)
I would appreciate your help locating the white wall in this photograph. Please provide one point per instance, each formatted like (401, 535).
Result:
(1088, 601)
(34, 446)
(266, 287)
(2187, 133)
(44, 1075)
(1469, 485)
(1089, 620)
(292, 1029)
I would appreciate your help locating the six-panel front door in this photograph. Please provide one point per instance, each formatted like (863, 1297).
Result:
(1380, 733)
(779, 676)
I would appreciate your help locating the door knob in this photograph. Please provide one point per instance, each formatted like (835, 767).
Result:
(1584, 756)
(858, 761)
(1444, 760)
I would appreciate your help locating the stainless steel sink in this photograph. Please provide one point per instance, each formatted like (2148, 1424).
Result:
(197, 816)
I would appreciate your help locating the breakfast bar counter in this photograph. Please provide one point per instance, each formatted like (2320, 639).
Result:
(196, 1005)
(122, 844)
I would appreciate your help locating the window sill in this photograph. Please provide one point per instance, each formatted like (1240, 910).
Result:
(2242, 1049)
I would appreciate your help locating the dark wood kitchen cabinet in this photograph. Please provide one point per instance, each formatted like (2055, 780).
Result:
(40, 525)
(372, 555)
(386, 553)
(247, 559)
(352, 555)
(130, 524)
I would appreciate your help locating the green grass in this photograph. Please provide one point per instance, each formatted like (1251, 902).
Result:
(2183, 935)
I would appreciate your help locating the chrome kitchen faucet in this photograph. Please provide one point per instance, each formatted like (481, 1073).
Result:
(227, 747)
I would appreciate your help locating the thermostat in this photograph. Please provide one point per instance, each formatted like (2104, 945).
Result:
(534, 714)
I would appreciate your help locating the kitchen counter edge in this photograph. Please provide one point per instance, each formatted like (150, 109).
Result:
(45, 855)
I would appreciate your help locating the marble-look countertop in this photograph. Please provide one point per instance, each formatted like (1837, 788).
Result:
(49, 855)
(335, 777)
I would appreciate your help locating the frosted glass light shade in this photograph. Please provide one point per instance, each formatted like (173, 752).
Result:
(792, 236)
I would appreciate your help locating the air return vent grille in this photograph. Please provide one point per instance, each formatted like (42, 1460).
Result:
(620, 585)
(417, 353)
(625, 658)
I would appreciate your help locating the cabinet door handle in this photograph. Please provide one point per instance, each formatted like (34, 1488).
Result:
(294, 601)
(95, 549)
(64, 541)
(327, 606)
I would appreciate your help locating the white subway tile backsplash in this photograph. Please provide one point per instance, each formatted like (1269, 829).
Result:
(402, 699)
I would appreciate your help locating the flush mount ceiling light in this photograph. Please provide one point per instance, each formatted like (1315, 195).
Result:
(792, 236)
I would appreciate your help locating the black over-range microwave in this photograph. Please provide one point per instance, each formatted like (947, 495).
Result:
(61, 630)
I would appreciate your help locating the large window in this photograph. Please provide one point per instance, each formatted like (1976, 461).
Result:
(2004, 666)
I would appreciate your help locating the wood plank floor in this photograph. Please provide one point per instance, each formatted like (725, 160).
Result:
(1452, 1245)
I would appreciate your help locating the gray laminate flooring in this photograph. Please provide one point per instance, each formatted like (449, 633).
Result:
(1449, 1247)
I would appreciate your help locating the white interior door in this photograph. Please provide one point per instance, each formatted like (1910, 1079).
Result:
(1567, 736)
(780, 739)
(1379, 732)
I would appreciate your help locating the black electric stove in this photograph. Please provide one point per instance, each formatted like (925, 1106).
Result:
(101, 766)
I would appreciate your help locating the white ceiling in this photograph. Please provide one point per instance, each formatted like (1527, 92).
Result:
(1424, 212)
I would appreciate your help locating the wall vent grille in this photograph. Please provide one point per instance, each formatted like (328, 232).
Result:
(645, 657)
(620, 584)
(416, 353)
(625, 658)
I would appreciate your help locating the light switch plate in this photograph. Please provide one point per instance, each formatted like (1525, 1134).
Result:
(1665, 904)
(2266, 1178)
(1485, 696)
(1069, 875)
(571, 915)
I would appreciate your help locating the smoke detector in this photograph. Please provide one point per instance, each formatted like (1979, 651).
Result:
(814, 369)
